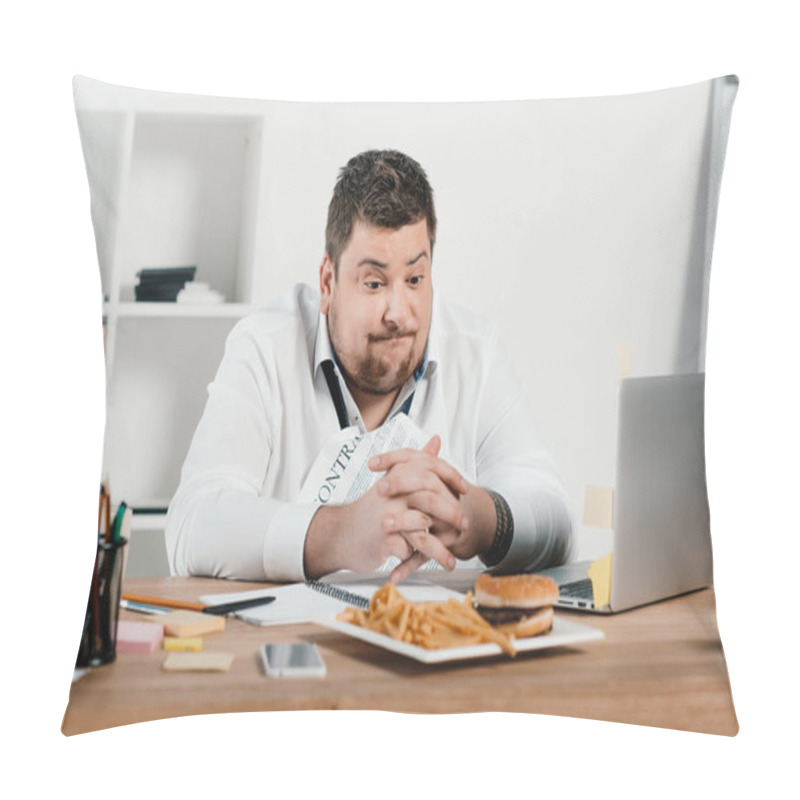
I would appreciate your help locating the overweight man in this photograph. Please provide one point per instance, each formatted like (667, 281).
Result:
(375, 341)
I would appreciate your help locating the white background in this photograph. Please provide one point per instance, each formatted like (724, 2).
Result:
(52, 397)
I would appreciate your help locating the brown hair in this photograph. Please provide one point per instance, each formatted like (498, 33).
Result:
(384, 188)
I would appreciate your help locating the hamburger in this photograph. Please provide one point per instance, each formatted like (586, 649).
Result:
(519, 605)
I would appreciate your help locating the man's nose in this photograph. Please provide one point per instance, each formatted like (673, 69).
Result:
(398, 308)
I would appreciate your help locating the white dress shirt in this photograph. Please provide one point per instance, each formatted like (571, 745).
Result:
(269, 413)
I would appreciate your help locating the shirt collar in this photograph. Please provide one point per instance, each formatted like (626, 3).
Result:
(323, 351)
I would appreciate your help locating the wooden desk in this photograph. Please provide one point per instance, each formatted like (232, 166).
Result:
(661, 665)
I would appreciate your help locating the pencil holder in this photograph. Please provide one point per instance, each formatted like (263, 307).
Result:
(99, 638)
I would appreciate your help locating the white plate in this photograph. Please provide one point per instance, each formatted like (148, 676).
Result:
(564, 632)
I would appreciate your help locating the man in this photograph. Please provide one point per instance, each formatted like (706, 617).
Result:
(373, 344)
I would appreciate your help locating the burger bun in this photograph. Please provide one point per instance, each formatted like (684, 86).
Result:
(515, 591)
(535, 624)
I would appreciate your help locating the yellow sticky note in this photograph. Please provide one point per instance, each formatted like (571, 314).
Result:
(178, 643)
(191, 623)
(598, 507)
(600, 573)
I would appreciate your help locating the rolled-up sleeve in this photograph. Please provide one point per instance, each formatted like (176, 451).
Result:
(218, 523)
(512, 461)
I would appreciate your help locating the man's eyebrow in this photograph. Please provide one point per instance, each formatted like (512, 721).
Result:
(416, 258)
(373, 262)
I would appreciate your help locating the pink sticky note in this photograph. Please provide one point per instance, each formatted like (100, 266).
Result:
(138, 637)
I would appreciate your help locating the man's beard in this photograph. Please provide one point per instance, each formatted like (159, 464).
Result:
(374, 375)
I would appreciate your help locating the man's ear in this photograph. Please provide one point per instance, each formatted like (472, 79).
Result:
(326, 280)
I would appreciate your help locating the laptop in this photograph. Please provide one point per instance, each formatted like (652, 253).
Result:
(661, 538)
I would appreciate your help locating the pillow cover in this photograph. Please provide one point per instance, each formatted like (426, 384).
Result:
(583, 228)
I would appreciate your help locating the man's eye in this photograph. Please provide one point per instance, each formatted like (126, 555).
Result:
(416, 280)
(373, 285)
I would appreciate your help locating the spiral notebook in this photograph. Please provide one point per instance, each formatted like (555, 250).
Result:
(306, 602)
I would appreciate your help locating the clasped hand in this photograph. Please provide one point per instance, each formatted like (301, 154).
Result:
(423, 515)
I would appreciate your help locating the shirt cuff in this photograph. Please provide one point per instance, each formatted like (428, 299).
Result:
(285, 541)
(541, 535)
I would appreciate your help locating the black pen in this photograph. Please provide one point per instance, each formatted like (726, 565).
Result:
(238, 605)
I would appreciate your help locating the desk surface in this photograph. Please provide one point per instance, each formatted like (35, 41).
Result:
(660, 665)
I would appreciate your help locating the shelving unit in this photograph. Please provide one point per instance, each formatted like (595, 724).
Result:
(173, 184)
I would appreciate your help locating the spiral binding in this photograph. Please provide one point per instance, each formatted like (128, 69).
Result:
(338, 593)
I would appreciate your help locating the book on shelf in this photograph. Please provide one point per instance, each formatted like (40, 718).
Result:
(162, 284)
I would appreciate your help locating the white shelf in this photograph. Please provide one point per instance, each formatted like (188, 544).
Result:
(178, 310)
(175, 181)
(148, 522)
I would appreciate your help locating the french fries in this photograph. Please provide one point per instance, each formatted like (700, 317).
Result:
(452, 623)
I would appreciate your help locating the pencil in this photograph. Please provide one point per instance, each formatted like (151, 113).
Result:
(101, 509)
(157, 603)
(108, 516)
(164, 602)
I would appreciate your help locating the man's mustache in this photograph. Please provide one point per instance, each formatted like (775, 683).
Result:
(372, 337)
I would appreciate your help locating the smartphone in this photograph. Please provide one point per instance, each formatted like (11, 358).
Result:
(292, 660)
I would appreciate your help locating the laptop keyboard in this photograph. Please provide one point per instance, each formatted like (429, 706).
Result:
(580, 590)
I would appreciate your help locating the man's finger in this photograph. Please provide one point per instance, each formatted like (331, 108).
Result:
(430, 547)
(387, 460)
(447, 536)
(433, 446)
(401, 548)
(410, 520)
(407, 567)
(442, 508)
(408, 478)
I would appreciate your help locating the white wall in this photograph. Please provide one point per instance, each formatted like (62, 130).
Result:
(578, 226)
(582, 227)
